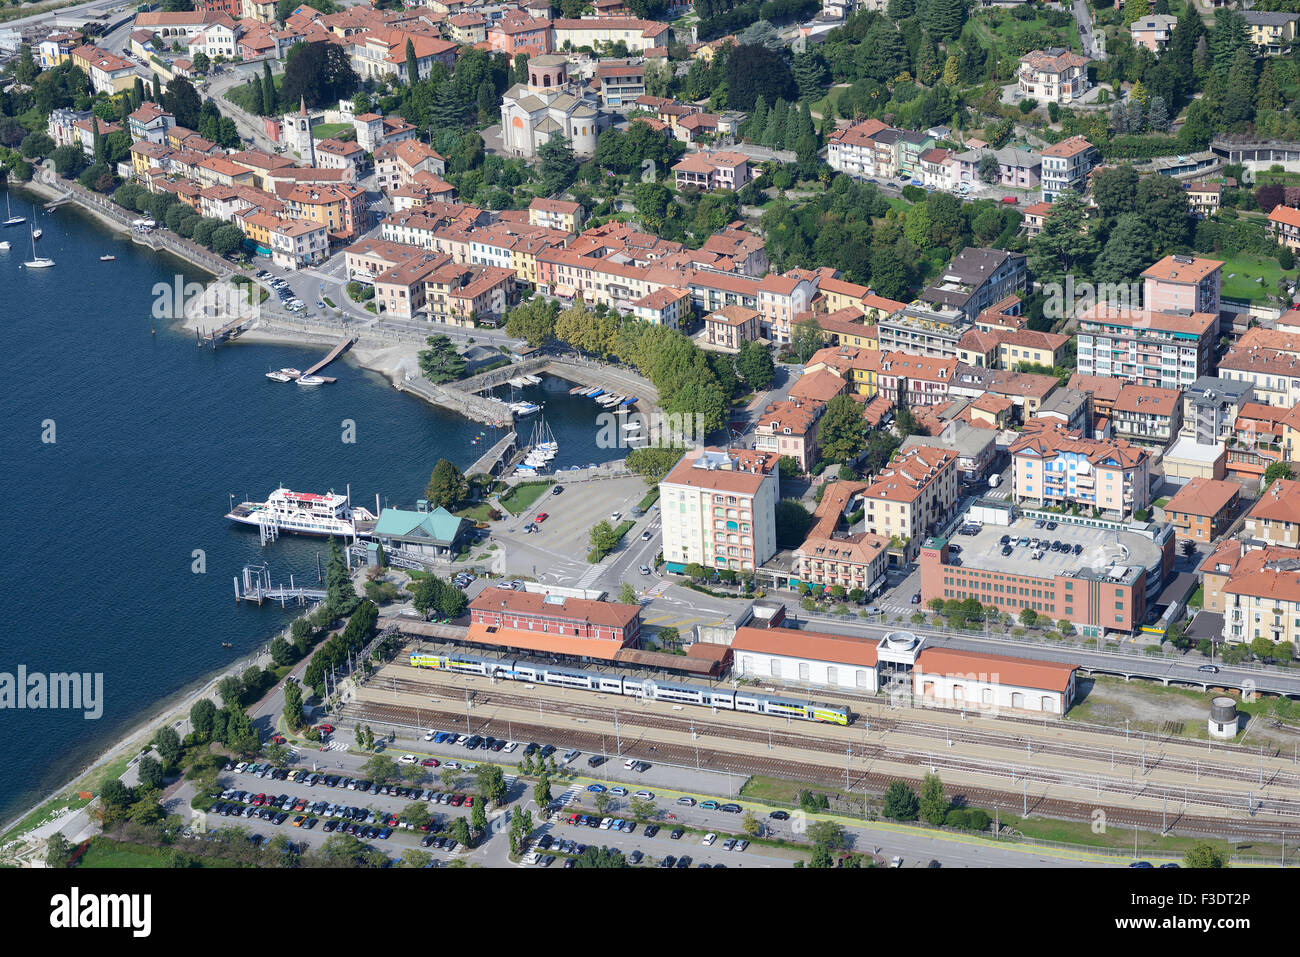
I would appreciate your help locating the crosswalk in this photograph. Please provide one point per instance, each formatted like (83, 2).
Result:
(590, 575)
(564, 800)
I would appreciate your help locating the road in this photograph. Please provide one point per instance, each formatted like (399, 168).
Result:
(1094, 45)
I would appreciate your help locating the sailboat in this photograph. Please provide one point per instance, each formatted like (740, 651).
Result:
(9, 212)
(38, 262)
(37, 233)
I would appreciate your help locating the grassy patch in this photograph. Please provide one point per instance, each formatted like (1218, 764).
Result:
(822, 106)
(522, 497)
(248, 98)
(476, 513)
(651, 497)
(328, 301)
(1241, 275)
(1148, 843)
(323, 131)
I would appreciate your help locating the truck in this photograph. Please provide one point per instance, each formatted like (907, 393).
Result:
(994, 480)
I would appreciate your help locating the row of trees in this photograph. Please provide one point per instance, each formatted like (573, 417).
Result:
(224, 239)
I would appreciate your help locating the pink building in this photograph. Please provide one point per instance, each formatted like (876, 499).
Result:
(1183, 283)
(708, 171)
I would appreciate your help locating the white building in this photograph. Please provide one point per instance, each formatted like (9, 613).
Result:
(719, 510)
(548, 105)
(804, 657)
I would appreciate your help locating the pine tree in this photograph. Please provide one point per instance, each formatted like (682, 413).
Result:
(1230, 35)
(944, 18)
(1139, 94)
(951, 72)
(1157, 115)
(1239, 94)
(809, 74)
(1126, 253)
(1267, 94)
(757, 121)
(775, 127)
(1135, 116)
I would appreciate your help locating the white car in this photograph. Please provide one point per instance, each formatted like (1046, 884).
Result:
(510, 746)
(647, 795)
(429, 735)
(451, 764)
(604, 825)
(407, 759)
(709, 839)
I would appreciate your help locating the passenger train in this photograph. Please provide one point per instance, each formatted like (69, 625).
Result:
(567, 676)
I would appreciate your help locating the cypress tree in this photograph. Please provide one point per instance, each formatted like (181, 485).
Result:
(268, 90)
(412, 67)
(157, 89)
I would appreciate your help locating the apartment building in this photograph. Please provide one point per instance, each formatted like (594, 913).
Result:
(1284, 226)
(1210, 407)
(621, 81)
(1145, 347)
(1147, 415)
(1268, 359)
(555, 214)
(1204, 198)
(1054, 466)
(977, 279)
(1256, 440)
(1066, 165)
(719, 510)
(727, 328)
(1183, 284)
(108, 73)
(790, 428)
(1264, 603)
(910, 497)
(1274, 519)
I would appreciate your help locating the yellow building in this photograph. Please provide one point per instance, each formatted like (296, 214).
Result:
(1271, 33)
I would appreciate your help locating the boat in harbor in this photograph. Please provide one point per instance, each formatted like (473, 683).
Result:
(532, 379)
(11, 219)
(524, 408)
(278, 377)
(291, 373)
(310, 380)
(306, 513)
(609, 401)
(38, 262)
(4, 246)
(576, 389)
(107, 259)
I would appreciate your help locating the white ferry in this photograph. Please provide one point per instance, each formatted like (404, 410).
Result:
(306, 513)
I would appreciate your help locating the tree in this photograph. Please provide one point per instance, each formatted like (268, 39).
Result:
(750, 825)
(1275, 471)
(227, 240)
(168, 743)
(183, 102)
(828, 834)
(201, 62)
(269, 93)
(150, 772)
(600, 857)
(441, 362)
(491, 783)
(934, 806)
(293, 705)
(1028, 616)
(68, 160)
(1126, 253)
(412, 64)
(447, 486)
(231, 690)
(1065, 245)
(753, 71)
(542, 790)
(556, 164)
(201, 715)
(806, 338)
(1205, 855)
(900, 803)
(792, 523)
(1163, 205)
(842, 433)
(944, 18)
(340, 593)
(754, 364)
(989, 169)
(460, 830)
(603, 538)
(58, 852)
(316, 73)
(627, 594)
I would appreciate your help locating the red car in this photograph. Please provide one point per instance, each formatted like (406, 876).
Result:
(457, 800)
(429, 763)
(469, 800)
(1009, 200)
(542, 516)
(277, 739)
(325, 728)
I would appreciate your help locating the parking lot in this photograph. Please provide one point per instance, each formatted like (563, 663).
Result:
(1029, 545)
(257, 803)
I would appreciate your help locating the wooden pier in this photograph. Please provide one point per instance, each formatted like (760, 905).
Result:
(342, 347)
(230, 330)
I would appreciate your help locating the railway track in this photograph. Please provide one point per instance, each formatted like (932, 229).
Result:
(1107, 795)
(806, 740)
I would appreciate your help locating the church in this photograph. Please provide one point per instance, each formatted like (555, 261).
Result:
(549, 104)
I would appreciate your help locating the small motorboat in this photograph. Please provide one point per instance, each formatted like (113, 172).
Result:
(4, 245)
(291, 373)
(278, 377)
(37, 233)
(226, 644)
(107, 259)
(310, 380)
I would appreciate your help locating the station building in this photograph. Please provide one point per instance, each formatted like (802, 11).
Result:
(553, 623)
(901, 662)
